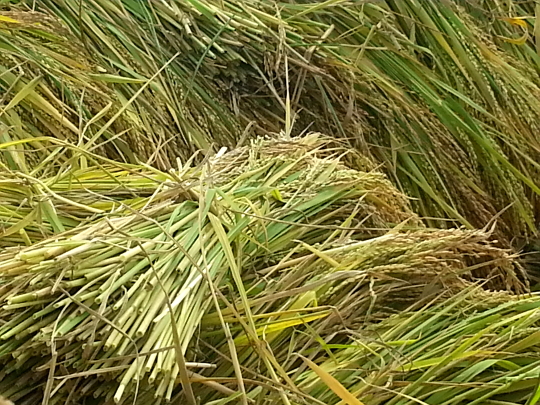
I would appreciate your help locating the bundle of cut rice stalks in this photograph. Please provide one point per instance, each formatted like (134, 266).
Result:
(471, 349)
(334, 306)
(98, 300)
(267, 240)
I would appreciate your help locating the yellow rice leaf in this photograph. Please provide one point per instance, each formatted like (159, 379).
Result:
(523, 344)
(117, 79)
(7, 19)
(65, 60)
(399, 227)
(320, 254)
(276, 327)
(518, 41)
(27, 220)
(23, 93)
(516, 21)
(333, 384)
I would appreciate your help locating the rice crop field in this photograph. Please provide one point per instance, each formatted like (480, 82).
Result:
(269, 202)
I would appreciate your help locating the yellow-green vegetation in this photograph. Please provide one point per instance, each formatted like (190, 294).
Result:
(259, 202)
(402, 81)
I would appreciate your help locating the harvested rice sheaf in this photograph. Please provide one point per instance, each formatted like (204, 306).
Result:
(339, 302)
(99, 290)
(264, 240)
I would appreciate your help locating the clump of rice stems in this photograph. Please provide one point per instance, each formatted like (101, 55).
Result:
(321, 302)
(53, 84)
(98, 300)
(452, 353)
(422, 86)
